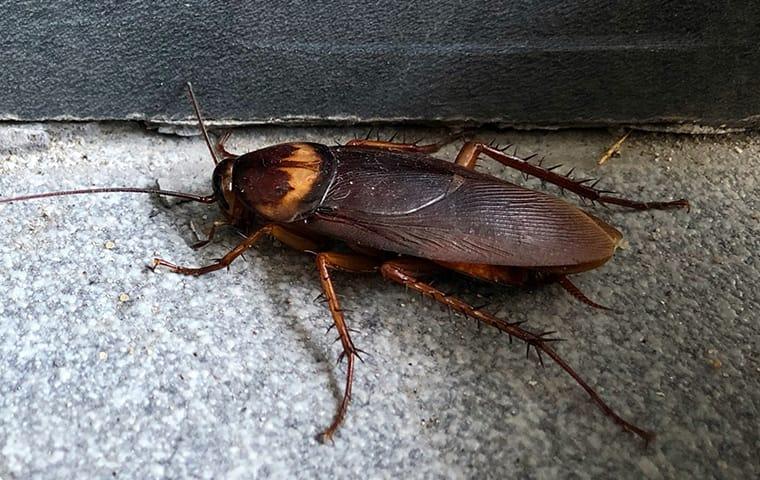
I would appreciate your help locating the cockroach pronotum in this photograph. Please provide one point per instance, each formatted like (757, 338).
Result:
(406, 215)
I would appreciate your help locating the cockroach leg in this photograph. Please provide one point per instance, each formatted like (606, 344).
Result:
(224, 262)
(349, 263)
(468, 157)
(293, 240)
(405, 147)
(576, 292)
(282, 234)
(219, 147)
(490, 273)
(214, 228)
(518, 277)
(403, 273)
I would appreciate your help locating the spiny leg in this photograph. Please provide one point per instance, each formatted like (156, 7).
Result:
(403, 272)
(405, 147)
(349, 263)
(468, 157)
(576, 292)
(282, 234)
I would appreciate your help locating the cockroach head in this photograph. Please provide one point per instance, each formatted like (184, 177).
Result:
(282, 183)
(222, 182)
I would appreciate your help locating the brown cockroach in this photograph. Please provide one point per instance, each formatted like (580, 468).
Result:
(405, 214)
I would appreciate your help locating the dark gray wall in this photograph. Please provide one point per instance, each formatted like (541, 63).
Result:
(522, 62)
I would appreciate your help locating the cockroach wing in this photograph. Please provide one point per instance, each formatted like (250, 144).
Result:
(421, 206)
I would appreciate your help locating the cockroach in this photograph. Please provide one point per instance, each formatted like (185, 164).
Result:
(407, 215)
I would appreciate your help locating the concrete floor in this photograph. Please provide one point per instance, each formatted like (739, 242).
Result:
(109, 369)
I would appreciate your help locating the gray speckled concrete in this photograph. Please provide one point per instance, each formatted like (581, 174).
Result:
(109, 369)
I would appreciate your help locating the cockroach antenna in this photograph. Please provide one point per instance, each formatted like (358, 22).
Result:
(155, 191)
(197, 110)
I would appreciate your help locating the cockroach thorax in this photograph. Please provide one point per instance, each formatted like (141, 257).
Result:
(285, 182)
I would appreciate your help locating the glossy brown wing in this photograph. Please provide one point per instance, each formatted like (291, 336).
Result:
(421, 206)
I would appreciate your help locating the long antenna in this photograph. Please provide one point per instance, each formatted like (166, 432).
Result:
(201, 124)
(155, 191)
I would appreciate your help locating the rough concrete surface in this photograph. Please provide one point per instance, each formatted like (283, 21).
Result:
(109, 369)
